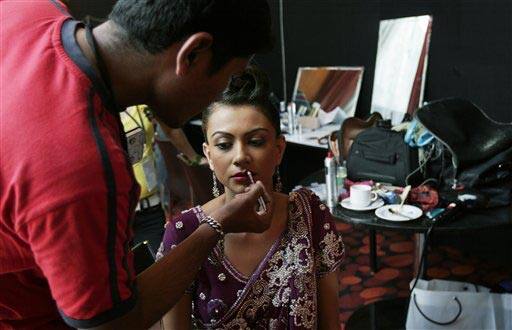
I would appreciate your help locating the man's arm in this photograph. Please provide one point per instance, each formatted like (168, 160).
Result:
(180, 316)
(162, 285)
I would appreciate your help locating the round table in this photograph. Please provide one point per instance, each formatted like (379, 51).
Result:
(475, 219)
(470, 220)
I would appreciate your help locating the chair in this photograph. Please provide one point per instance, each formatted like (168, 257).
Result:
(468, 133)
(200, 181)
(351, 127)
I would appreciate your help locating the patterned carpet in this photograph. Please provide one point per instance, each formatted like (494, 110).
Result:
(358, 286)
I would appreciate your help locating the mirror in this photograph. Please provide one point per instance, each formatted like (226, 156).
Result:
(400, 67)
(331, 87)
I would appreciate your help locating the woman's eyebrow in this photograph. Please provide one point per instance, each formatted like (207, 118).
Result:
(221, 133)
(248, 133)
(256, 129)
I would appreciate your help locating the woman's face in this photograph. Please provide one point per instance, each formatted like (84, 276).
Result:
(241, 138)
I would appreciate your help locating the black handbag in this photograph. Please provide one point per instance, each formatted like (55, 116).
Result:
(381, 155)
(479, 150)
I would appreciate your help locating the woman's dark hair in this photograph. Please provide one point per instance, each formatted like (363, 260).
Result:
(252, 87)
(239, 28)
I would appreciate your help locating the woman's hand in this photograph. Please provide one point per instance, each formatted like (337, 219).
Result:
(240, 214)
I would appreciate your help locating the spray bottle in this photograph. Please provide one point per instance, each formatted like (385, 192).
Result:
(330, 180)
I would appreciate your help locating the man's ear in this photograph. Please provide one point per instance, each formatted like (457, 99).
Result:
(281, 146)
(206, 151)
(193, 49)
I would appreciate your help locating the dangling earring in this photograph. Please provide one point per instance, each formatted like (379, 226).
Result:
(215, 188)
(278, 186)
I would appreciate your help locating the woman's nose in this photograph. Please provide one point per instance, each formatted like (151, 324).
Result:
(241, 156)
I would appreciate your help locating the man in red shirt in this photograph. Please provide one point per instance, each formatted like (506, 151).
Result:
(67, 193)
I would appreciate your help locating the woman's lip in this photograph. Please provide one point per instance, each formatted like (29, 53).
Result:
(244, 180)
(241, 175)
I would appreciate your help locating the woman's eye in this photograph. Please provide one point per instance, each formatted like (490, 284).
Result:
(223, 145)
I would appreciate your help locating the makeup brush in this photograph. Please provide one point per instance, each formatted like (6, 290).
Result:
(260, 199)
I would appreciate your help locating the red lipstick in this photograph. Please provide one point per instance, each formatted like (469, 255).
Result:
(241, 177)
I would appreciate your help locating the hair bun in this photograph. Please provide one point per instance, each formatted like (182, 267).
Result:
(252, 88)
(252, 85)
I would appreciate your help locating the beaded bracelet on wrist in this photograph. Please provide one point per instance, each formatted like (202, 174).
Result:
(214, 224)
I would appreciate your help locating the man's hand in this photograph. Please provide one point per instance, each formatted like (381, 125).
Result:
(240, 215)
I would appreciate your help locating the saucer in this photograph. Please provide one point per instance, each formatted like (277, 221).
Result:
(373, 205)
(409, 212)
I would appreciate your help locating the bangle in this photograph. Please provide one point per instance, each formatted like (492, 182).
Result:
(214, 224)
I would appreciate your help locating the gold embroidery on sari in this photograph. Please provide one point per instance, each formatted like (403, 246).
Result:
(290, 268)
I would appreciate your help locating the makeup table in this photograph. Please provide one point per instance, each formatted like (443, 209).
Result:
(391, 313)
(470, 220)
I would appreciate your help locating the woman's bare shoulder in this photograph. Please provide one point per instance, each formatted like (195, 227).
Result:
(213, 204)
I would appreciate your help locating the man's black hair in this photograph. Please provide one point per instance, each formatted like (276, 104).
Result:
(239, 27)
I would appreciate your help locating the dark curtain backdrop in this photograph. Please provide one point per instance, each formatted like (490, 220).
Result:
(95, 8)
(470, 50)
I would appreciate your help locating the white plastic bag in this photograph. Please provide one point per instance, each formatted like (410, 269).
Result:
(439, 304)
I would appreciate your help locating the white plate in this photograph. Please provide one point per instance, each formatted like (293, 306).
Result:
(373, 205)
(407, 213)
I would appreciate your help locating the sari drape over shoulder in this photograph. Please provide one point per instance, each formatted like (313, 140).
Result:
(282, 291)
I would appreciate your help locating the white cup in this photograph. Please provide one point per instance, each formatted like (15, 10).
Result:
(362, 195)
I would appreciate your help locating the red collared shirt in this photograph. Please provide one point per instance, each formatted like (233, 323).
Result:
(67, 192)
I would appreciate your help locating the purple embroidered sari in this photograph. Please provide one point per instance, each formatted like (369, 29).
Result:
(282, 292)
